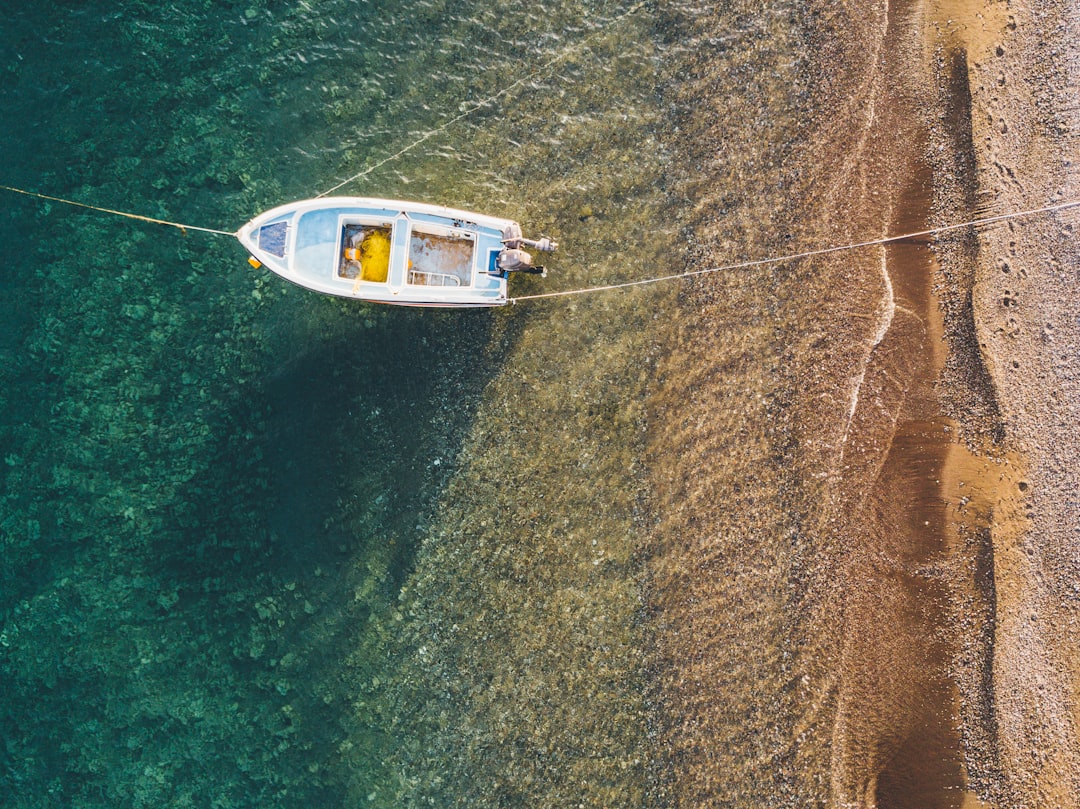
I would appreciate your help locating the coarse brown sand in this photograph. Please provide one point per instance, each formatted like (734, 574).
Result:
(1024, 76)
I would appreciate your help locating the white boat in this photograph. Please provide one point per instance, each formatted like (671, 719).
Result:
(389, 251)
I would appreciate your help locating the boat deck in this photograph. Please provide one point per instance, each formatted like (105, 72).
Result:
(367, 250)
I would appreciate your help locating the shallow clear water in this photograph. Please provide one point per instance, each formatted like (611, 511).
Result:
(263, 548)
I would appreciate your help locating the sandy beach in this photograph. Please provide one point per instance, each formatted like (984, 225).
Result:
(1024, 73)
(920, 459)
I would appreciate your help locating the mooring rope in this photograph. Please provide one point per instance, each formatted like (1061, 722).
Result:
(741, 265)
(140, 217)
(806, 254)
(543, 68)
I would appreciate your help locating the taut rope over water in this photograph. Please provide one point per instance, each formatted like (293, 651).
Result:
(807, 254)
(140, 217)
(543, 68)
(742, 265)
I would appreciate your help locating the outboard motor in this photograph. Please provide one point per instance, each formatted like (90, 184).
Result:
(513, 258)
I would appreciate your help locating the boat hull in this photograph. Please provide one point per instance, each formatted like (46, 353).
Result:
(385, 251)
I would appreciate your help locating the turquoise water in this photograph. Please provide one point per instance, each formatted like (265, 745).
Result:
(266, 548)
(257, 547)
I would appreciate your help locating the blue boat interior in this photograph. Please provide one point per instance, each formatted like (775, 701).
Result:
(345, 250)
(272, 238)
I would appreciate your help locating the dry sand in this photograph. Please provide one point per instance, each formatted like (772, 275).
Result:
(1024, 69)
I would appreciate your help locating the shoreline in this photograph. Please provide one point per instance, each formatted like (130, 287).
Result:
(1014, 688)
(909, 592)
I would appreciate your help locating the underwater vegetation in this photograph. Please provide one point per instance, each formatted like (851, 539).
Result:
(262, 548)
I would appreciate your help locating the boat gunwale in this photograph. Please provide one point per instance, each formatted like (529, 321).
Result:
(471, 296)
